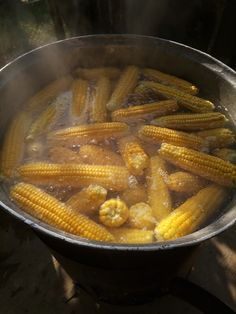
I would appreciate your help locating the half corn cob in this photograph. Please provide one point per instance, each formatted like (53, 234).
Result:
(170, 80)
(158, 135)
(113, 213)
(226, 154)
(60, 155)
(76, 175)
(86, 133)
(192, 121)
(190, 215)
(141, 217)
(130, 235)
(95, 73)
(97, 155)
(188, 101)
(134, 156)
(125, 85)
(146, 111)
(48, 209)
(158, 194)
(88, 199)
(80, 96)
(210, 167)
(218, 138)
(133, 195)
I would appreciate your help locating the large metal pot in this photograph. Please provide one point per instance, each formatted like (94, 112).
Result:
(108, 270)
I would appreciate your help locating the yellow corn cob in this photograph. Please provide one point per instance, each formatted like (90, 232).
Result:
(218, 138)
(146, 111)
(97, 155)
(79, 97)
(113, 213)
(192, 121)
(88, 199)
(170, 80)
(42, 98)
(86, 133)
(64, 155)
(185, 182)
(127, 82)
(42, 123)
(158, 194)
(141, 216)
(188, 101)
(13, 145)
(96, 73)
(158, 135)
(35, 150)
(134, 156)
(48, 209)
(191, 214)
(134, 195)
(76, 175)
(209, 167)
(102, 94)
(226, 154)
(130, 235)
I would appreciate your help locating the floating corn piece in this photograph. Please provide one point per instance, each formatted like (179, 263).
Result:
(113, 213)
(218, 138)
(125, 85)
(132, 236)
(48, 209)
(13, 145)
(100, 99)
(95, 73)
(159, 197)
(209, 167)
(65, 155)
(134, 156)
(35, 149)
(170, 80)
(97, 155)
(88, 199)
(160, 135)
(41, 99)
(226, 154)
(188, 101)
(141, 217)
(75, 175)
(80, 96)
(184, 182)
(191, 214)
(146, 111)
(86, 133)
(133, 195)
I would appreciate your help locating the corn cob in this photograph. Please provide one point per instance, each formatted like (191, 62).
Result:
(185, 182)
(188, 101)
(97, 155)
(192, 121)
(158, 135)
(170, 80)
(13, 145)
(127, 82)
(129, 236)
(102, 94)
(86, 133)
(134, 156)
(96, 73)
(134, 195)
(88, 199)
(113, 213)
(191, 214)
(159, 197)
(76, 175)
(64, 155)
(217, 138)
(226, 154)
(209, 167)
(47, 208)
(35, 150)
(141, 217)
(42, 98)
(79, 97)
(146, 111)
